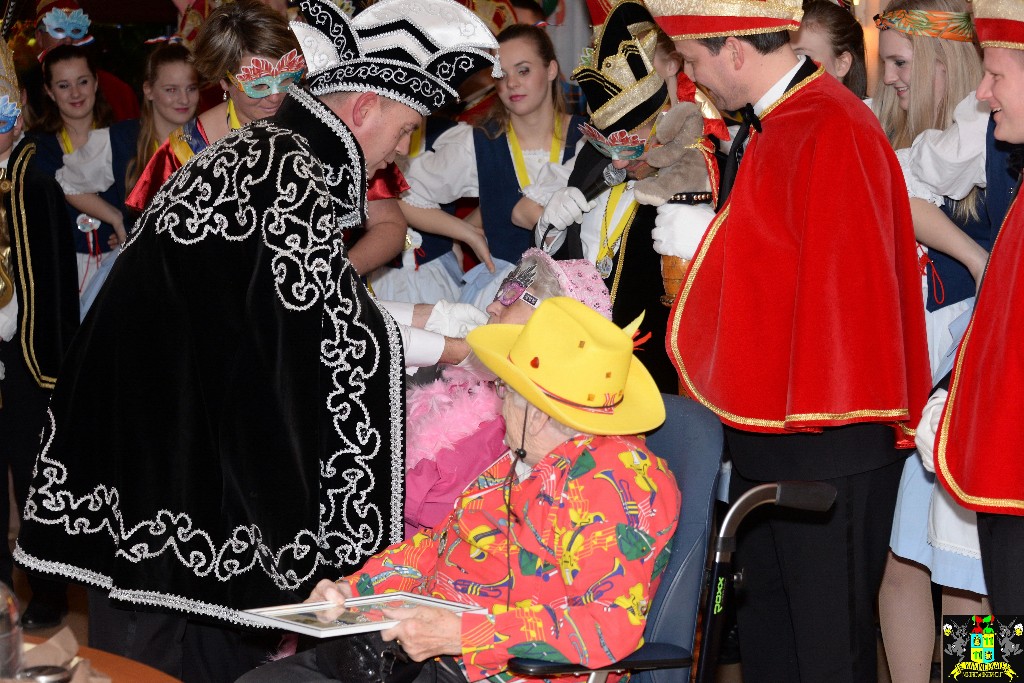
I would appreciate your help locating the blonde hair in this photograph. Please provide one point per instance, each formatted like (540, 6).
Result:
(962, 63)
(148, 140)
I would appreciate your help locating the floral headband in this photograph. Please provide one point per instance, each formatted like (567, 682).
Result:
(9, 113)
(261, 78)
(61, 24)
(934, 24)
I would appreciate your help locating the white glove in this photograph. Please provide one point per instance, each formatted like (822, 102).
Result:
(566, 206)
(679, 228)
(454, 320)
(924, 438)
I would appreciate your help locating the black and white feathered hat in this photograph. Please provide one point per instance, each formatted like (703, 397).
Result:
(414, 51)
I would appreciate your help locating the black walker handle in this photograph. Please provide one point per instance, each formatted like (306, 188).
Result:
(813, 496)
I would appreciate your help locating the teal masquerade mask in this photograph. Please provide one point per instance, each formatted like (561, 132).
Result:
(260, 78)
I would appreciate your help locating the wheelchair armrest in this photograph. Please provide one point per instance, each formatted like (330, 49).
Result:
(649, 656)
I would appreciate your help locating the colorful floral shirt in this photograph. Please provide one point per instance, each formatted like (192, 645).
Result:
(565, 561)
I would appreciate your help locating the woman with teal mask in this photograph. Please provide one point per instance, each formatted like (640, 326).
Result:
(252, 53)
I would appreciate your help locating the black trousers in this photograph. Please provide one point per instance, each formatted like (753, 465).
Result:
(194, 650)
(806, 609)
(21, 423)
(303, 668)
(1001, 538)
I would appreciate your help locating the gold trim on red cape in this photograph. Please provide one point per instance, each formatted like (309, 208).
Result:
(981, 433)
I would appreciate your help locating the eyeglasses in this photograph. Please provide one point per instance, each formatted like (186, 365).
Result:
(500, 388)
(511, 291)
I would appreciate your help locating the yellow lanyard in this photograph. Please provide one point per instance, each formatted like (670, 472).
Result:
(517, 152)
(233, 122)
(65, 141)
(606, 245)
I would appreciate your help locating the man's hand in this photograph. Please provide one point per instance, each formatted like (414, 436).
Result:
(454, 320)
(330, 591)
(425, 632)
(679, 228)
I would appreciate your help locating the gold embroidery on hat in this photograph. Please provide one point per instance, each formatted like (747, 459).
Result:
(766, 9)
(628, 100)
(998, 9)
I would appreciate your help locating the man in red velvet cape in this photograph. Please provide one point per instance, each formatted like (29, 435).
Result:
(980, 439)
(800, 324)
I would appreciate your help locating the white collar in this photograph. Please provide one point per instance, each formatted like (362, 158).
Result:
(776, 92)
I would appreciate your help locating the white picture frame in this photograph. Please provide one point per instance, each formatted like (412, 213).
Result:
(359, 615)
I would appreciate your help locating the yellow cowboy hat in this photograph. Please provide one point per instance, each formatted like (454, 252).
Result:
(574, 365)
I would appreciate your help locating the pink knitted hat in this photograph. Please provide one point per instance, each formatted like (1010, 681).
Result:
(579, 279)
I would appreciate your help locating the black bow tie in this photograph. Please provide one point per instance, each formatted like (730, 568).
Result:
(749, 117)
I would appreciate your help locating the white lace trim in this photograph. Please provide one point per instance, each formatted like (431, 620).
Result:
(333, 175)
(396, 391)
(327, 88)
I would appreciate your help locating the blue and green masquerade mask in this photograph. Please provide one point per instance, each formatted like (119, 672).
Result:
(261, 78)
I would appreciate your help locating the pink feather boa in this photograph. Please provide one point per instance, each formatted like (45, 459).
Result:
(440, 414)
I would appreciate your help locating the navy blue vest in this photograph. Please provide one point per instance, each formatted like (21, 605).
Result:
(50, 157)
(499, 191)
(994, 202)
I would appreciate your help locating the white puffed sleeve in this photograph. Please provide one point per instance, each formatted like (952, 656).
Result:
(445, 174)
(951, 162)
(90, 167)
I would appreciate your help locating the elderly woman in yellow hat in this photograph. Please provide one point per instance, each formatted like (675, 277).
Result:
(567, 534)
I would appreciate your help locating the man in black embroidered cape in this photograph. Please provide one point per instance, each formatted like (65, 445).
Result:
(228, 429)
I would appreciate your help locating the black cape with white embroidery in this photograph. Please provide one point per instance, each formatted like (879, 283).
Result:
(228, 426)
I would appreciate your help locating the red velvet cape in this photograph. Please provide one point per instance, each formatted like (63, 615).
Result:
(802, 307)
(980, 441)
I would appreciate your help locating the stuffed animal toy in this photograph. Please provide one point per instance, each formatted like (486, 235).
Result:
(682, 158)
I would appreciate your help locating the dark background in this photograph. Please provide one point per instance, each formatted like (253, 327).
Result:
(115, 11)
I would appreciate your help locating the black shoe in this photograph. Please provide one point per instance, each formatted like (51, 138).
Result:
(40, 615)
